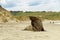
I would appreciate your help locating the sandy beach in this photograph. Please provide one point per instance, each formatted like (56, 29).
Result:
(14, 31)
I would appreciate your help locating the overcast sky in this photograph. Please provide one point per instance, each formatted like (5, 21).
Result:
(31, 5)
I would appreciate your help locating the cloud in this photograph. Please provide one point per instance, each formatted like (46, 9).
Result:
(34, 3)
(31, 5)
(7, 3)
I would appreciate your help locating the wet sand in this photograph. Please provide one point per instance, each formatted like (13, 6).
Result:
(14, 31)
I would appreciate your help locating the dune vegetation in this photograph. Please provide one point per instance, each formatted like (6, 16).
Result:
(43, 15)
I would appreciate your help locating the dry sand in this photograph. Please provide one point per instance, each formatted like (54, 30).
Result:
(14, 31)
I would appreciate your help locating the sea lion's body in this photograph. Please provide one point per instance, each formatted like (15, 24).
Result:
(36, 24)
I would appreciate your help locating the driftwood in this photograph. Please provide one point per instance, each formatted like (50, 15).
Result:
(36, 24)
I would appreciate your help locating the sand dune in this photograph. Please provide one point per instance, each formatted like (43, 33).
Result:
(14, 31)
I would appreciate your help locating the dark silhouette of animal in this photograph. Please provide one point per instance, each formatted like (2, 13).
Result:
(36, 23)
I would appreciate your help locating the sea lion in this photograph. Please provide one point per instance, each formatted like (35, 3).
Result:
(36, 24)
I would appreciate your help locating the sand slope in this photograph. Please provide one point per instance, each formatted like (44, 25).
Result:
(13, 31)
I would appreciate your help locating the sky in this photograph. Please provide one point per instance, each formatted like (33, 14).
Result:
(31, 5)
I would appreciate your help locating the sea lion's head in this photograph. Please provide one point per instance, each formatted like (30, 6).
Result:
(33, 18)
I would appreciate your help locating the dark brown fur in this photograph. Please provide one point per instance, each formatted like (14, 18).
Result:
(36, 23)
